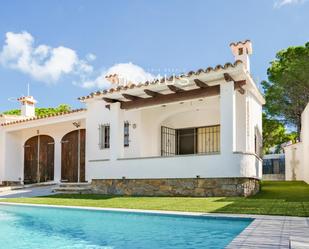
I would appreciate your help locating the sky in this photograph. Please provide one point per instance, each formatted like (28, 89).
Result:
(64, 49)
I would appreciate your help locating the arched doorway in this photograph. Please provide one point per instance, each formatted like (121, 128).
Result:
(73, 156)
(39, 159)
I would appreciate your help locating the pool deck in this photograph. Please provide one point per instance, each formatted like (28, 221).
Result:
(265, 232)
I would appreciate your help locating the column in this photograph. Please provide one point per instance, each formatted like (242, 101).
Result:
(227, 117)
(116, 132)
(57, 160)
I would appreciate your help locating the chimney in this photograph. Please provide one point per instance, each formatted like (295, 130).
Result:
(27, 106)
(241, 51)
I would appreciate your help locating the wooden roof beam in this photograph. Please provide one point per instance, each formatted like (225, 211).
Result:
(172, 97)
(175, 89)
(200, 84)
(237, 84)
(130, 97)
(152, 93)
(228, 77)
(108, 100)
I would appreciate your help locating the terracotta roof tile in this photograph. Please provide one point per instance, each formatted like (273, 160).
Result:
(42, 117)
(156, 81)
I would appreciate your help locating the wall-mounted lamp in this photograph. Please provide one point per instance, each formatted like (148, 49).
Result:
(76, 124)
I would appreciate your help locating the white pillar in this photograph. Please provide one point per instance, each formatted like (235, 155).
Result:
(227, 117)
(57, 162)
(2, 154)
(116, 132)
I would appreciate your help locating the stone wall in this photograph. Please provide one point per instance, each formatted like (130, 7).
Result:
(195, 187)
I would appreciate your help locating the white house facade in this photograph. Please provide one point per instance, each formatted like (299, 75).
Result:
(197, 134)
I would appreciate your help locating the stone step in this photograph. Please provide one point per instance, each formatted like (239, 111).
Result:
(73, 189)
(73, 184)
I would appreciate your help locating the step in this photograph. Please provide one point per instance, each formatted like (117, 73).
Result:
(72, 185)
(73, 189)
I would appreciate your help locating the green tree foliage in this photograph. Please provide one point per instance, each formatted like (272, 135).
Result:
(44, 111)
(275, 134)
(287, 89)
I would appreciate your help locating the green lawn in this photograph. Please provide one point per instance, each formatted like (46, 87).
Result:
(275, 198)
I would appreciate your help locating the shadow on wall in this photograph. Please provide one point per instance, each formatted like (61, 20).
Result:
(294, 165)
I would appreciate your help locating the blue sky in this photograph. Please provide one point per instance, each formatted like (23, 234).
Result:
(64, 48)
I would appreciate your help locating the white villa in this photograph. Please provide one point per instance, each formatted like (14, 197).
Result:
(197, 134)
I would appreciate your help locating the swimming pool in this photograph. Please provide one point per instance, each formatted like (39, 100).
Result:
(64, 228)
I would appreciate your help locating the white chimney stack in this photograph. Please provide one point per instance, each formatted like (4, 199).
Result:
(241, 51)
(27, 106)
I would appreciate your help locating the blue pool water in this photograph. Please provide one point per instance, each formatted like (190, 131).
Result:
(61, 228)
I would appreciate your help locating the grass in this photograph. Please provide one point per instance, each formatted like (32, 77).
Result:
(275, 198)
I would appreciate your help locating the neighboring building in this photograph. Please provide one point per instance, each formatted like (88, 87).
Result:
(297, 155)
(197, 134)
(274, 167)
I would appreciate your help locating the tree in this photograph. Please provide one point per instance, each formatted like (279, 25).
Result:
(44, 111)
(287, 89)
(275, 134)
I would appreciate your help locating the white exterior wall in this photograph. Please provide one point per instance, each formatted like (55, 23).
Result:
(15, 136)
(237, 114)
(234, 165)
(142, 158)
(294, 160)
(297, 155)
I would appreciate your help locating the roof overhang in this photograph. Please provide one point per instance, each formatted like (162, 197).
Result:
(198, 84)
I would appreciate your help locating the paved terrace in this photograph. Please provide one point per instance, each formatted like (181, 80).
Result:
(273, 232)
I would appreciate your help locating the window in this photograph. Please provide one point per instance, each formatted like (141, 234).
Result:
(126, 134)
(199, 140)
(240, 51)
(104, 136)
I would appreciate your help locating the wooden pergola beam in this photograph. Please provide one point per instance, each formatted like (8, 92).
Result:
(152, 93)
(130, 97)
(228, 77)
(238, 85)
(108, 100)
(175, 89)
(172, 97)
(200, 84)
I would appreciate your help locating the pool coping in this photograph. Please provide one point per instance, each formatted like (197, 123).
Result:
(265, 231)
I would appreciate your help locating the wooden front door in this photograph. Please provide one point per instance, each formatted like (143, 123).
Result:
(73, 156)
(39, 159)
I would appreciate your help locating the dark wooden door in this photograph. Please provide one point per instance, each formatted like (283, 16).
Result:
(73, 156)
(31, 160)
(39, 159)
(46, 158)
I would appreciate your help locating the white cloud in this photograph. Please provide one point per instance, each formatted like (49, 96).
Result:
(281, 3)
(43, 63)
(127, 72)
(91, 57)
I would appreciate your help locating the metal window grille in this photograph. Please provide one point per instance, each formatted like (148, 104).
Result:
(206, 140)
(104, 136)
(126, 134)
(168, 141)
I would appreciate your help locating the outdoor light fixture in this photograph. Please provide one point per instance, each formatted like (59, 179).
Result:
(198, 176)
(76, 124)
